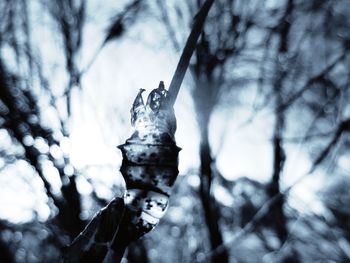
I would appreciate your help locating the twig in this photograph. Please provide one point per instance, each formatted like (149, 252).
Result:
(122, 234)
(188, 51)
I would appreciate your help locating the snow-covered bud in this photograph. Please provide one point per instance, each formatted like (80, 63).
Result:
(150, 159)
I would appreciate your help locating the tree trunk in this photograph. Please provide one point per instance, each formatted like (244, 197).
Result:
(277, 212)
(211, 213)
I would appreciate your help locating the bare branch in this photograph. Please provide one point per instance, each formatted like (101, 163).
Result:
(344, 126)
(309, 83)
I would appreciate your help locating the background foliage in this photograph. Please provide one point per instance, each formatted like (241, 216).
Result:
(263, 120)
